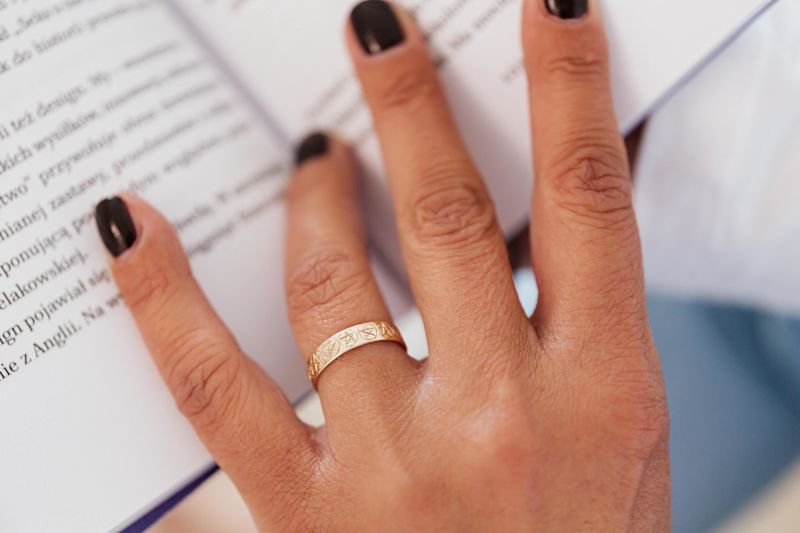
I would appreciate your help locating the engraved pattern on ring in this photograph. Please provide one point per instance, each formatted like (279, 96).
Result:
(347, 340)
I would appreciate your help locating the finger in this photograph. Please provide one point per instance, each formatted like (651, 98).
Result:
(330, 286)
(454, 250)
(237, 411)
(585, 242)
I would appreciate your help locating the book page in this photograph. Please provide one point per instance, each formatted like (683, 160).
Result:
(101, 96)
(292, 56)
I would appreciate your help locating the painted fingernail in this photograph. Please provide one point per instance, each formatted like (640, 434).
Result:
(376, 26)
(312, 147)
(567, 9)
(115, 225)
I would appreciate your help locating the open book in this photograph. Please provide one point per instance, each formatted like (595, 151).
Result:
(193, 105)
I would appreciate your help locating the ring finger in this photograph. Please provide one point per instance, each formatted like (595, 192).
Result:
(330, 285)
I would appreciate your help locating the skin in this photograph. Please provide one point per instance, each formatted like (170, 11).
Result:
(552, 423)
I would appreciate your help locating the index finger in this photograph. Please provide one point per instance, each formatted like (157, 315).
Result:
(238, 412)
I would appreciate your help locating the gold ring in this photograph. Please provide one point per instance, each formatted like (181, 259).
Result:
(348, 340)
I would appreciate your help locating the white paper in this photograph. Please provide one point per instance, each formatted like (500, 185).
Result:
(89, 436)
(292, 57)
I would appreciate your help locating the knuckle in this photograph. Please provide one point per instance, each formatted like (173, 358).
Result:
(202, 376)
(583, 66)
(453, 213)
(410, 85)
(590, 180)
(324, 279)
(508, 437)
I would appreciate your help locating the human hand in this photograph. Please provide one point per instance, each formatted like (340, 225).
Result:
(552, 423)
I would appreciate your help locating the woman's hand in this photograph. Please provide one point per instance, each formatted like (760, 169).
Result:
(553, 423)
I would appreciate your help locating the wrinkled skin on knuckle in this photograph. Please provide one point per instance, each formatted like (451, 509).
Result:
(201, 374)
(590, 179)
(576, 68)
(572, 61)
(451, 214)
(327, 278)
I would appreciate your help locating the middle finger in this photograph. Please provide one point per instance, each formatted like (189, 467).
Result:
(454, 250)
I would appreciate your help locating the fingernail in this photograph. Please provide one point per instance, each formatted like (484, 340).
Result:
(314, 146)
(376, 26)
(115, 225)
(567, 9)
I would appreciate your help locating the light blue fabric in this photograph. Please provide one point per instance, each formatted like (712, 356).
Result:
(733, 386)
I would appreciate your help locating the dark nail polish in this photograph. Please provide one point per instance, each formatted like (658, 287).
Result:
(314, 146)
(376, 26)
(115, 225)
(567, 9)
